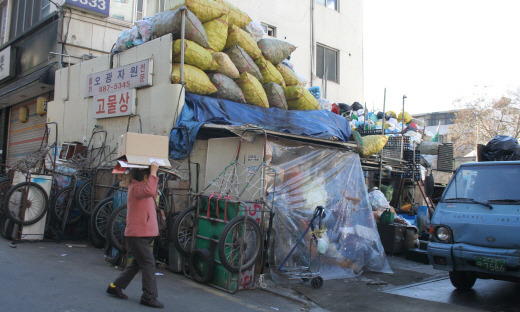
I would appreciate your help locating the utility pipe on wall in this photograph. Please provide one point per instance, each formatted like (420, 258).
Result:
(313, 45)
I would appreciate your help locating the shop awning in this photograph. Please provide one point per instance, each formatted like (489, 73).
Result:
(44, 75)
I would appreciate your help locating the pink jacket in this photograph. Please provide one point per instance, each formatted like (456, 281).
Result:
(141, 217)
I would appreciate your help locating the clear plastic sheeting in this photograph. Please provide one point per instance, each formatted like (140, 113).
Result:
(312, 175)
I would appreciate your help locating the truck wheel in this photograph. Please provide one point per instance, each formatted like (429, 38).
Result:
(463, 280)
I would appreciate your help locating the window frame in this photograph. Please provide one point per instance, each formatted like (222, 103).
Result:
(266, 27)
(324, 3)
(337, 69)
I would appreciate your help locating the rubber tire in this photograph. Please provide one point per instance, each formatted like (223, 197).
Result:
(107, 253)
(463, 280)
(207, 258)
(429, 185)
(111, 238)
(317, 282)
(175, 229)
(42, 211)
(96, 240)
(84, 206)
(3, 226)
(222, 239)
(55, 203)
(106, 207)
(5, 185)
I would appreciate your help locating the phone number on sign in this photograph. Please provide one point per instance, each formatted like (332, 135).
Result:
(115, 86)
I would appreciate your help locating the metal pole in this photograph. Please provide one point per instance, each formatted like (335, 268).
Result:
(183, 33)
(402, 130)
(383, 132)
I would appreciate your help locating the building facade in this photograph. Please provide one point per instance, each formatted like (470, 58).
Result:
(38, 37)
(442, 120)
(329, 39)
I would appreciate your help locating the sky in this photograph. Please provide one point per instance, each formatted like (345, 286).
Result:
(437, 51)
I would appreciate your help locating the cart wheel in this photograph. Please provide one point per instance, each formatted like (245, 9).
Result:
(202, 266)
(317, 282)
(115, 232)
(236, 237)
(182, 230)
(83, 195)
(27, 198)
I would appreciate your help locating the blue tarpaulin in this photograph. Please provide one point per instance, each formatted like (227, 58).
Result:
(199, 110)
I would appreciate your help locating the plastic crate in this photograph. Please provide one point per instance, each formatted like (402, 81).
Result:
(363, 132)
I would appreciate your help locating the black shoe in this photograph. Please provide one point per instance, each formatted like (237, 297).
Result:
(117, 292)
(154, 303)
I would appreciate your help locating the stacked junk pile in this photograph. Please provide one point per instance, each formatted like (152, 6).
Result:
(226, 55)
(315, 226)
(292, 210)
(402, 191)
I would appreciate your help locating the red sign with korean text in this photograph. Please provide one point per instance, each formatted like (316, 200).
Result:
(120, 103)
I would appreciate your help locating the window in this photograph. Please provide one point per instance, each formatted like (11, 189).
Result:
(134, 10)
(269, 30)
(3, 23)
(25, 14)
(327, 62)
(331, 4)
(442, 118)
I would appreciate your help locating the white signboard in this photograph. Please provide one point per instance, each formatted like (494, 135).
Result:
(119, 103)
(5, 62)
(133, 75)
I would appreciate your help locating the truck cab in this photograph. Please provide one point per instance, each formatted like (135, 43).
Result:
(475, 230)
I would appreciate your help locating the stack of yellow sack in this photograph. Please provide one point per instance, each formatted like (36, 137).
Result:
(225, 49)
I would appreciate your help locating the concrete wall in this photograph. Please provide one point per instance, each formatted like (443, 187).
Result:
(158, 105)
(90, 35)
(341, 30)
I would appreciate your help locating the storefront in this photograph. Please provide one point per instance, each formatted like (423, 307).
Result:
(26, 75)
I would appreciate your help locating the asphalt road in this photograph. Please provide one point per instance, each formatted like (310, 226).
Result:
(53, 277)
(487, 295)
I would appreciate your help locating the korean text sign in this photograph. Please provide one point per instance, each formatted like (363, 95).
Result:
(119, 103)
(133, 75)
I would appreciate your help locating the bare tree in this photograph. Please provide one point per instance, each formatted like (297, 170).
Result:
(479, 120)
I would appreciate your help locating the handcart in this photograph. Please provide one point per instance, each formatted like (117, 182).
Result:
(305, 273)
(228, 226)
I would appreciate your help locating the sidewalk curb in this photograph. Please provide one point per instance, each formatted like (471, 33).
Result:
(290, 294)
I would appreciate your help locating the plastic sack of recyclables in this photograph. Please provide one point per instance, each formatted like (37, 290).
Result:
(311, 175)
(169, 22)
(378, 200)
(204, 10)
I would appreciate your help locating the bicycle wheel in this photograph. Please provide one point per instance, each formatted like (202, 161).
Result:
(59, 206)
(233, 239)
(83, 196)
(26, 203)
(5, 185)
(100, 216)
(116, 224)
(182, 231)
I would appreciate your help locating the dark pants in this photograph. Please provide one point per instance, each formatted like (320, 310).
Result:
(143, 260)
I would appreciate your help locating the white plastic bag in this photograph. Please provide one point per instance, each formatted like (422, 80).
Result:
(325, 104)
(145, 27)
(255, 29)
(378, 200)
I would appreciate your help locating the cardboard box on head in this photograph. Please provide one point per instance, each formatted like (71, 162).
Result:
(137, 150)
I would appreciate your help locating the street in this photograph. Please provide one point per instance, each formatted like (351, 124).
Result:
(489, 295)
(48, 276)
(53, 277)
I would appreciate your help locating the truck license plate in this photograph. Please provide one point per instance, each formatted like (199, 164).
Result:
(490, 264)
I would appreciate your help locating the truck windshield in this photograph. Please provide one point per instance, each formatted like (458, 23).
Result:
(493, 183)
